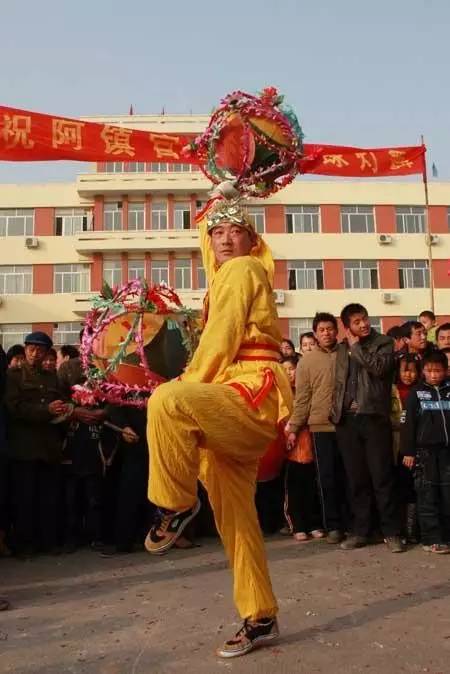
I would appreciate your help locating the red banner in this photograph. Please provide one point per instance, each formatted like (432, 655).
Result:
(31, 136)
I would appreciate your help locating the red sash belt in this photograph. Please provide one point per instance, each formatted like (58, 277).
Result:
(257, 352)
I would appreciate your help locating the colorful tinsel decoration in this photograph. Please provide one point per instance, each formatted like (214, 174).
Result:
(129, 304)
(254, 141)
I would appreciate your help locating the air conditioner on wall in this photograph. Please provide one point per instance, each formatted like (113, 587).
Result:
(388, 298)
(434, 239)
(384, 238)
(32, 242)
(279, 297)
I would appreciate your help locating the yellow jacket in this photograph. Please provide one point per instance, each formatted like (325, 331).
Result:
(241, 312)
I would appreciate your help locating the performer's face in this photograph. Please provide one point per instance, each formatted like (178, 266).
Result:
(229, 241)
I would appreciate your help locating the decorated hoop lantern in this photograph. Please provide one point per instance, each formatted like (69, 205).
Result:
(135, 337)
(254, 141)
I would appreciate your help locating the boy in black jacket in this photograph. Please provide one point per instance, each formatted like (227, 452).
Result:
(425, 445)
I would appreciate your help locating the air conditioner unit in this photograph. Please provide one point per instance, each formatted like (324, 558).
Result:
(1, 301)
(32, 242)
(434, 239)
(388, 298)
(279, 297)
(384, 238)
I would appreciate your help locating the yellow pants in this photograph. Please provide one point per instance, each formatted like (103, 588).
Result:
(185, 417)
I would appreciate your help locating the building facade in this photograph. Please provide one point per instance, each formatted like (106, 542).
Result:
(334, 242)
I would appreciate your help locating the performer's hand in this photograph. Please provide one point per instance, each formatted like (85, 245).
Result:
(291, 441)
(129, 435)
(409, 462)
(57, 407)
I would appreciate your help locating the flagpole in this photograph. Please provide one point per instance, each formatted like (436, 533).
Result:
(427, 226)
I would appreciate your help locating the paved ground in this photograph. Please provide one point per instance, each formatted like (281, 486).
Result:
(363, 611)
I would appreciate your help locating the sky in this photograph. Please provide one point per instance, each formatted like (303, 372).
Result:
(357, 72)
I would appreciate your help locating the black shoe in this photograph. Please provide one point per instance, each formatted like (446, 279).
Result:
(252, 634)
(334, 537)
(168, 527)
(354, 542)
(395, 544)
(113, 551)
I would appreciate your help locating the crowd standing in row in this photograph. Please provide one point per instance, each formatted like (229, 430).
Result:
(367, 446)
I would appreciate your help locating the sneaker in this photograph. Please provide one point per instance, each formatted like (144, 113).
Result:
(285, 531)
(251, 634)
(437, 548)
(317, 533)
(395, 544)
(334, 537)
(301, 536)
(354, 542)
(167, 528)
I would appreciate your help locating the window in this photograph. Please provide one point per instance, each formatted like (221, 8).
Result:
(159, 215)
(183, 277)
(305, 275)
(297, 326)
(135, 166)
(66, 333)
(16, 222)
(361, 274)
(410, 219)
(302, 219)
(414, 274)
(136, 269)
(201, 278)
(160, 272)
(158, 167)
(136, 216)
(112, 217)
(114, 167)
(71, 278)
(258, 217)
(357, 219)
(182, 215)
(181, 168)
(16, 280)
(14, 333)
(375, 322)
(112, 272)
(71, 221)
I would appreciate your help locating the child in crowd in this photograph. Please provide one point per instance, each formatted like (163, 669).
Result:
(15, 356)
(49, 362)
(425, 445)
(307, 343)
(407, 376)
(287, 349)
(89, 452)
(302, 506)
(428, 320)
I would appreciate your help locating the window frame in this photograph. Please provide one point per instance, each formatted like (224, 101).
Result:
(346, 220)
(182, 273)
(10, 214)
(360, 266)
(14, 273)
(406, 274)
(302, 211)
(402, 213)
(311, 271)
(80, 274)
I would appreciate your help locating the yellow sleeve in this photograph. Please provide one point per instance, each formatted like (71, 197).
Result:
(231, 298)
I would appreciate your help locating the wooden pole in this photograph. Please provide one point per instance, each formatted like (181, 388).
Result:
(427, 227)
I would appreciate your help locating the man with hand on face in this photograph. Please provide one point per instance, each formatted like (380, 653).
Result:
(218, 421)
(361, 413)
(32, 400)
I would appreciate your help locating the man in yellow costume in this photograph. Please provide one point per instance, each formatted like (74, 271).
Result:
(217, 422)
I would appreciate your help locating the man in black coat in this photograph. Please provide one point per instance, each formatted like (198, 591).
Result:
(361, 413)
